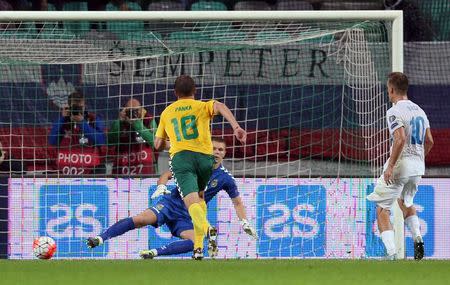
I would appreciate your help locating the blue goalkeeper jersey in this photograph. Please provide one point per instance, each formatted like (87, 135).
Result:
(220, 179)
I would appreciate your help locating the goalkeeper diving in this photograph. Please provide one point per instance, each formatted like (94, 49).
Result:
(171, 211)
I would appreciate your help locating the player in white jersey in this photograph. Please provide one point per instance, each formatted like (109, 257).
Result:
(411, 142)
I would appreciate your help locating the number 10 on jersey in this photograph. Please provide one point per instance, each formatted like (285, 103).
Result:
(188, 127)
(417, 130)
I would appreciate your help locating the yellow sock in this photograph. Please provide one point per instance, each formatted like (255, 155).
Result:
(198, 217)
(205, 209)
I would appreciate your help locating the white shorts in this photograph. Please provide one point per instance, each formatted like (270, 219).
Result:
(385, 195)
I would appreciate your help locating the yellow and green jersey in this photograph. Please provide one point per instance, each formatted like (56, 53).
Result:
(186, 123)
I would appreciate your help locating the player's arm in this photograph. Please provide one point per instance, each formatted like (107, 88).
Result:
(231, 188)
(220, 108)
(160, 136)
(165, 177)
(397, 148)
(242, 215)
(161, 189)
(429, 141)
(239, 208)
(160, 143)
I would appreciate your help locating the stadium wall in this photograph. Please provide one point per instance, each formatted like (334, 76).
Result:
(295, 218)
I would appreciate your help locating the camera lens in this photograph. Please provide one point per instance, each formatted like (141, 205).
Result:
(133, 113)
(76, 110)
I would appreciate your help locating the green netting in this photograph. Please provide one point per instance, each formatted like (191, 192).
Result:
(338, 42)
(309, 93)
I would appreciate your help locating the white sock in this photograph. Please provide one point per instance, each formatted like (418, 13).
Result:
(100, 239)
(412, 222)
(389, 242)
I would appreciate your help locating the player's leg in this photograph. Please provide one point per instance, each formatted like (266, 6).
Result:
(173, 214)
(198, 216)
(185, 176)
(211, 232)
(186, 244)
(147, 217)
(206, 163)
(204, 172)
(385, 196)
(386, 231)
(410, 215)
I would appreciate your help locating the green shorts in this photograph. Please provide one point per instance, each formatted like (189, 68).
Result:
(191, 171)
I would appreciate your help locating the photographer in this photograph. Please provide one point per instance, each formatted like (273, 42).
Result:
(133, 135)
(77, 134)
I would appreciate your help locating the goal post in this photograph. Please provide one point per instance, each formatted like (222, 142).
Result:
(397, 65)
(307, 85)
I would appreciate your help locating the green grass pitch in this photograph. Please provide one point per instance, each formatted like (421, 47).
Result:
(233, 272)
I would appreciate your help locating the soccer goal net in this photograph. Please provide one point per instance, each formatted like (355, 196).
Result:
(307, 86)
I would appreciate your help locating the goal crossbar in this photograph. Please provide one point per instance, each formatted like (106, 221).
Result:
(161, 16)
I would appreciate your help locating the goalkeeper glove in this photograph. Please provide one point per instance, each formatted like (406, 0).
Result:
(160, 190)
(248, 229)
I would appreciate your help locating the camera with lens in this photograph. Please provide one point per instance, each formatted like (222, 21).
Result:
(133, 113)
(76, 110)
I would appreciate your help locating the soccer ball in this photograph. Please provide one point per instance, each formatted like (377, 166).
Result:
(44, 247)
